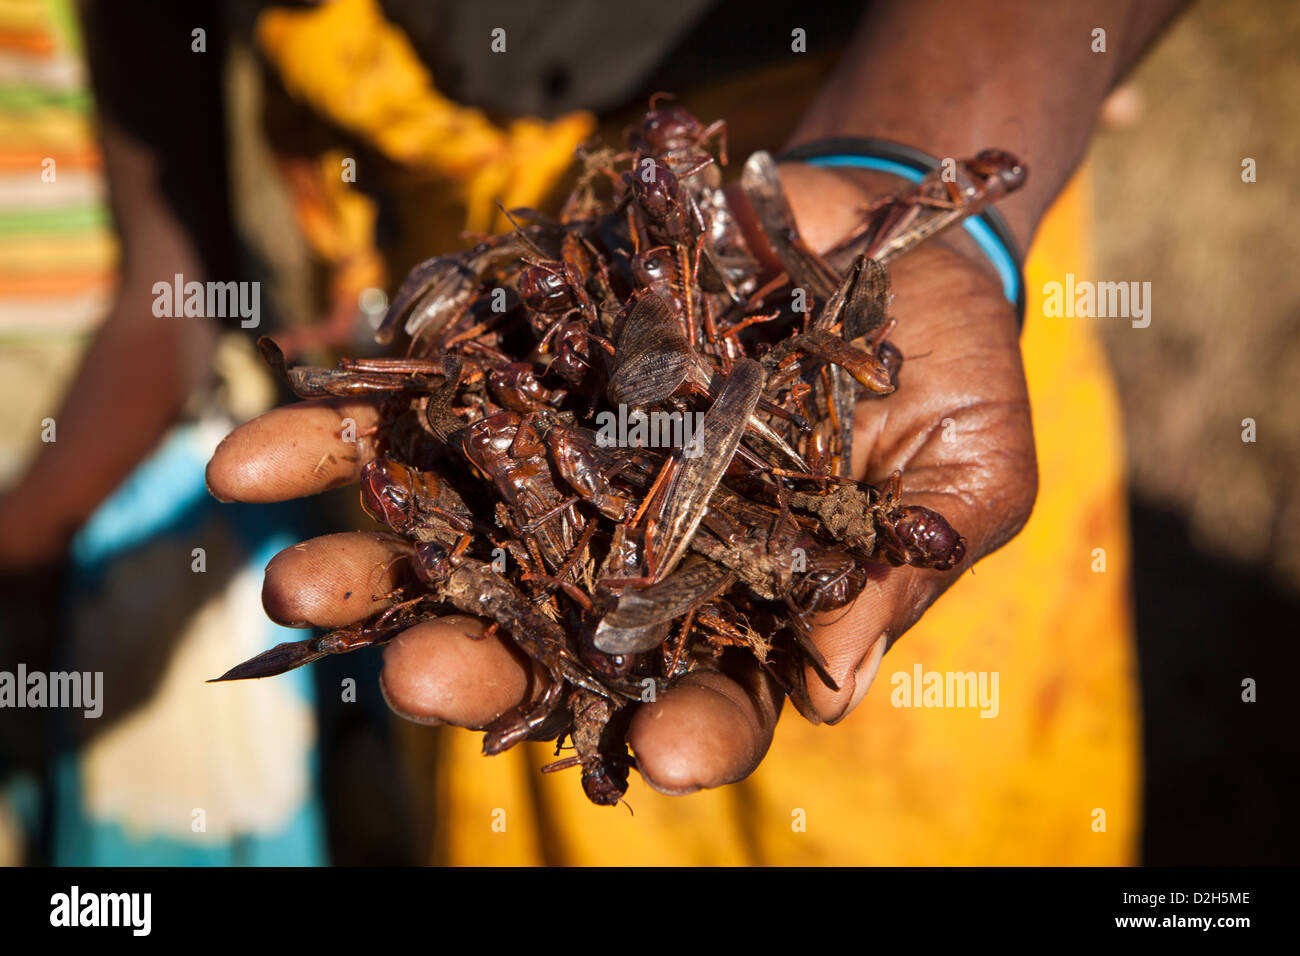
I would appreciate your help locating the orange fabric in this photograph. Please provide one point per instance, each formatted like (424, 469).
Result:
(55, 284)
(30, 42)
(348, 63)
(25, 160)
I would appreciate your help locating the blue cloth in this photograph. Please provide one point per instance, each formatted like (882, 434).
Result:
(165, 497)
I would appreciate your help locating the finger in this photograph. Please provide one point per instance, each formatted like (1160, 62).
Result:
(446, 671)
(335, 580)
(827, 206)
(984, 486)
(854, 639)
(986, 500)
(707, 730)
(965, 449)
(855, 643)
(294, 451)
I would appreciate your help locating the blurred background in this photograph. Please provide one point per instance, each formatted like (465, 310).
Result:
(1215, 522)
(245, 139)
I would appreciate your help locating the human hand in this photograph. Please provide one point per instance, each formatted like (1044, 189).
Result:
(958, 428)
(710, 728)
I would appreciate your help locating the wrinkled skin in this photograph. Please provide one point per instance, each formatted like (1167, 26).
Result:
(711, 728)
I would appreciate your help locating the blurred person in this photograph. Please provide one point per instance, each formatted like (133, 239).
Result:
(114, 498)
(160, 582)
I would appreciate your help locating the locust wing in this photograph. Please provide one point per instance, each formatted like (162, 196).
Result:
(703, 464)
(651, 357)
(643, 616)
(762, 185)
(861, 302)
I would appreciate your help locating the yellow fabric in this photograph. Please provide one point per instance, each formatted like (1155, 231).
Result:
(24, 15)
(337, 220)
(52, 128)
(909, 786)
(345, 61)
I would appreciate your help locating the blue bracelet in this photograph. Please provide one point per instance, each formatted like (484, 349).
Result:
(988, 229)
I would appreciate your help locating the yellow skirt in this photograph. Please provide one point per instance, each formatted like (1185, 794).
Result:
(1051, 778)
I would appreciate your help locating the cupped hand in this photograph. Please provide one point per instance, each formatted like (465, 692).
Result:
(958, 429)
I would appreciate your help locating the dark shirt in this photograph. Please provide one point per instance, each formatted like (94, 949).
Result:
(599, 55)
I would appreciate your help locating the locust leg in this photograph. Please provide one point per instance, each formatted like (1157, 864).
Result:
(521, 722)
(802, 631)
(309, 382)
(293, 654)
(474, 589)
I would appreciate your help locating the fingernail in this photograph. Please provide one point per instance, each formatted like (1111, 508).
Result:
(864, 675)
